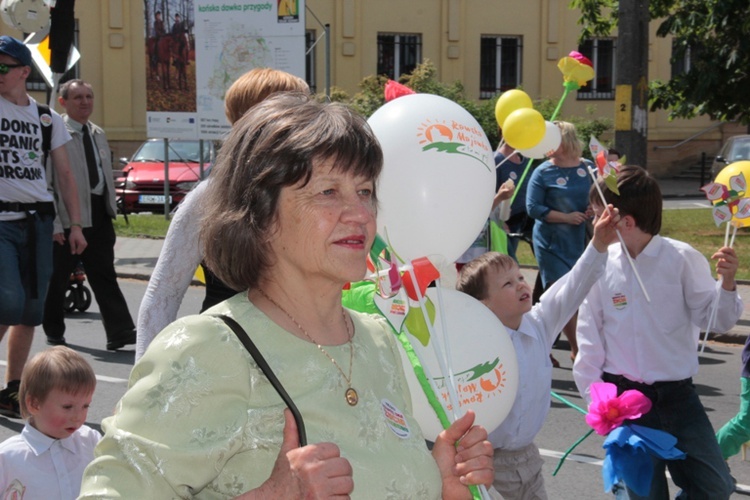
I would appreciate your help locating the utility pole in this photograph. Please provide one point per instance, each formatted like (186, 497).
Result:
(631, 91)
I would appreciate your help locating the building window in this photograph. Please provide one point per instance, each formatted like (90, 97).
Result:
(310, 60)
(398, 54)
(683, 62)
(500, 64)
(601, 51)
(36, 82)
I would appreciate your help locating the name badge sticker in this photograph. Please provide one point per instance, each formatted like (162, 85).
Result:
(395, 419)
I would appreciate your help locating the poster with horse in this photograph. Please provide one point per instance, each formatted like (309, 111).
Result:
(170, 68)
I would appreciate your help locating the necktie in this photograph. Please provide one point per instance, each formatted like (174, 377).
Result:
(88, 148)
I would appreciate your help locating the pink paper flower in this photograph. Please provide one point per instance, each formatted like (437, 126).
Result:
(608, 411)
(576, 69)
(394, 89)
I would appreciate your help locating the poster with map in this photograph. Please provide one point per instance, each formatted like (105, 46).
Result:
(232, 38)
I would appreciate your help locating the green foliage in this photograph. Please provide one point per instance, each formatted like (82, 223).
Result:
(715, 34)
(424, 80)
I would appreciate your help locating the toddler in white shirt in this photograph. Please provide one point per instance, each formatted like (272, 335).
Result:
(48, 458)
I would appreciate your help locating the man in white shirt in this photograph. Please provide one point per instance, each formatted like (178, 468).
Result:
(652, 346)
(27, 211)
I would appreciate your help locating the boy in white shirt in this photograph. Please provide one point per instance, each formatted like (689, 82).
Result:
(496, 280)
(48, 458)
(653, 346)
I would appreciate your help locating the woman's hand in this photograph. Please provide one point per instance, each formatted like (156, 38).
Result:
(572, 218)
(464, 457)
(311, 472)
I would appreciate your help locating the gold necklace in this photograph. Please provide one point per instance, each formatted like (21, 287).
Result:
(352, 398)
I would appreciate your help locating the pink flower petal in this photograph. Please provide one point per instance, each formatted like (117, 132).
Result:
(602, 392)
(394, 89)
(580, 58)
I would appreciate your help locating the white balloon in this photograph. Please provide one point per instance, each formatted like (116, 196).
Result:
(550, 143)
(482, 358)
(438, 177)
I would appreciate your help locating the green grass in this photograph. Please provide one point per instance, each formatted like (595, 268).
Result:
(142, 226)
(693, 226)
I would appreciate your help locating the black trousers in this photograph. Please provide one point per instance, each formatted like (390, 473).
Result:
(98, 261)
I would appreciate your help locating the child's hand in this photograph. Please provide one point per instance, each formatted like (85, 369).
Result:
(605, 228)
(726, 266)
(505, 191)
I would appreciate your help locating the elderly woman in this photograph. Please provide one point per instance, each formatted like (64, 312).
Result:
(558, 198)
(290, 218)
(182, 251)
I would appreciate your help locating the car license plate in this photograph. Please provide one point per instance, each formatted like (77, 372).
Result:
(152, 199)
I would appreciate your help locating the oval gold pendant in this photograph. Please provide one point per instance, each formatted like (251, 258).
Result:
(351, 397)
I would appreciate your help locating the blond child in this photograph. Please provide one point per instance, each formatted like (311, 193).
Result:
(496, 280)
(48, 458)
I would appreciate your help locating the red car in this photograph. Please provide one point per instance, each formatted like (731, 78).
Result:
(141, 187)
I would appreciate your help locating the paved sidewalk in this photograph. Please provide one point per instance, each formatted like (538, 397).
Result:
(136, 258)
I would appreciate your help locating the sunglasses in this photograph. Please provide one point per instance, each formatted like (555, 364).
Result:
(5, 68)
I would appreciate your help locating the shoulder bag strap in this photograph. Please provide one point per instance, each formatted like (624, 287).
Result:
(263, 365)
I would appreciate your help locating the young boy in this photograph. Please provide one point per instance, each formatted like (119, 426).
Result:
(653, 346)
(48, 458)
(496, 280)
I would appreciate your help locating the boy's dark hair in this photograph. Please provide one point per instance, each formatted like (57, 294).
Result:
(473, 277)
(55, 368)
(640, 197)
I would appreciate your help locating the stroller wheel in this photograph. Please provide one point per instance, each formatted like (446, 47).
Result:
(69, 304)
(83, 298)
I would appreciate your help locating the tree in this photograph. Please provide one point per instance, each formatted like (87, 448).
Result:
(712, 35)
(423, 80)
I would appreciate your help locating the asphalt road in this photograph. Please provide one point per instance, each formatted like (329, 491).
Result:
(580, 476)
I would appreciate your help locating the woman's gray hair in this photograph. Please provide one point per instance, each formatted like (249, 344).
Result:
(274, 145)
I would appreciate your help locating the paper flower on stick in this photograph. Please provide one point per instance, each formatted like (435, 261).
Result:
(394, 89)
(729, 201)
(629, 448)
(577, 70)
(607, 169)
(629, 451)
(608, 411)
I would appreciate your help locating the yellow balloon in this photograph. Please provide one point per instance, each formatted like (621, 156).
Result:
(524, 128)
(736, 168)
(725, 178)
(510, 101)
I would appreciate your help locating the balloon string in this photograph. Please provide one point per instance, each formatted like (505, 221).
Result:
(428, 390)
(506, 158)
(435, 341)
(417, 366)
(565, 93)
(444, 332)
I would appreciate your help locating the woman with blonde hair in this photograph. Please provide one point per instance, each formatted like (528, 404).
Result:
(558, 198)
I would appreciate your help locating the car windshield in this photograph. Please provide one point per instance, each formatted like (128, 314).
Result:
(182, 151)
(740, 150)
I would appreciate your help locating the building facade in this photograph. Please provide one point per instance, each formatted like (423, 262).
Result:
(489, 46)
